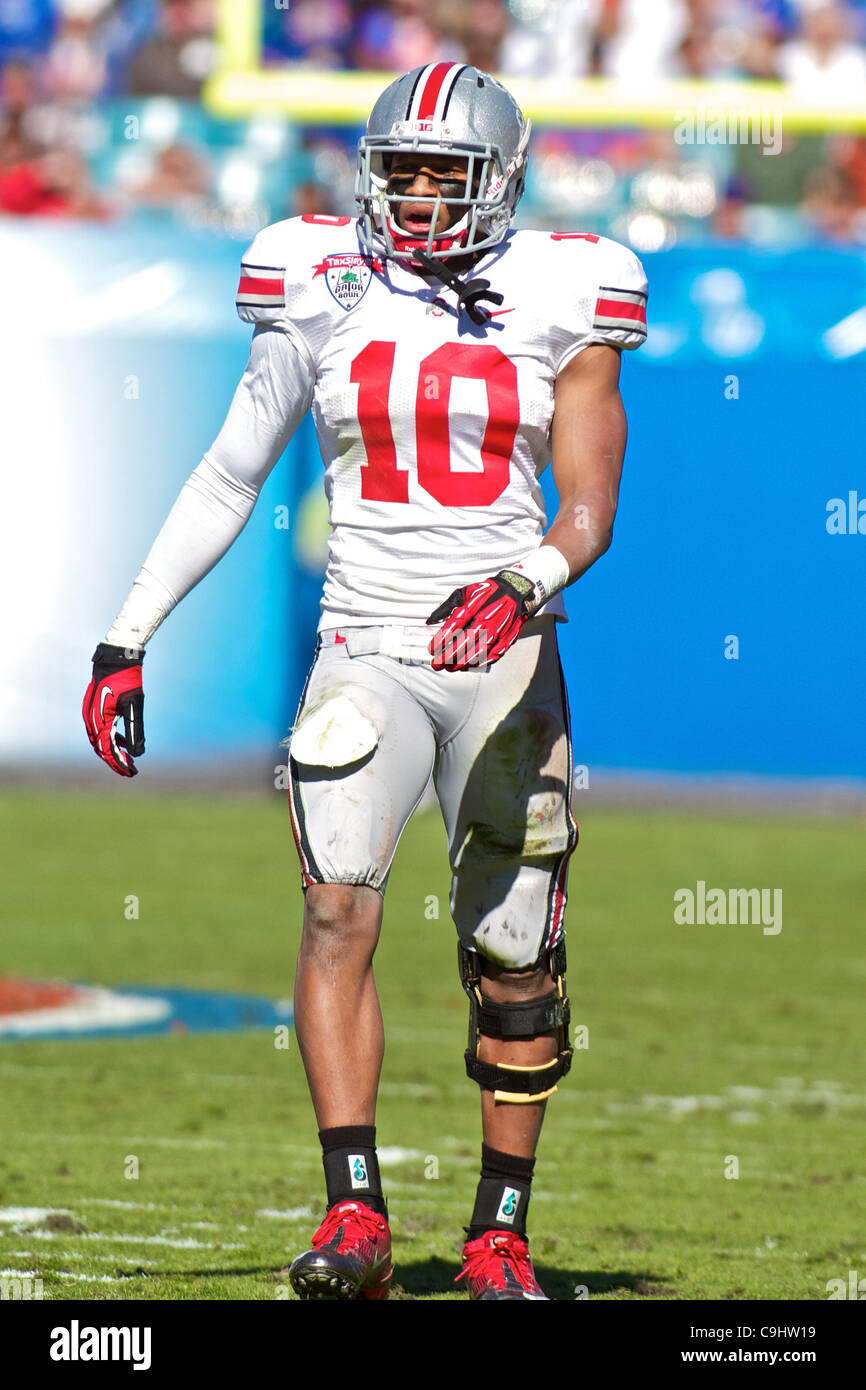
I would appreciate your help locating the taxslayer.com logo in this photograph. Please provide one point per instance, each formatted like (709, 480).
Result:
(348, 275)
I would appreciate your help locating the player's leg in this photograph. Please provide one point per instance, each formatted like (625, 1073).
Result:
(360, 758)
(361, 755)
(514, 1128)
(338, 1021)
(496, 1254)
(504, 786)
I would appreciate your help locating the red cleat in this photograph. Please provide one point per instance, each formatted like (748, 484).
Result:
(350, 1258)
(497, 1265)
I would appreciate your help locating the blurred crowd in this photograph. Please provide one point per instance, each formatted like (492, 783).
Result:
(814, 44)
(100, 113)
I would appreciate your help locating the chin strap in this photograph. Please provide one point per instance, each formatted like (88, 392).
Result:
(468, 294)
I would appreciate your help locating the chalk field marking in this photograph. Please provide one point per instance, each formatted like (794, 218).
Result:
(93, 1256)
(20, 1215)
(127, 1206)
(740, 1101)
(126, 1238)
(389, 1156)
(288, 1214)
(163, 1141)
(193, 1078)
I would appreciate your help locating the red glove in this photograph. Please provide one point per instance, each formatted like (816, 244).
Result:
(113, 694)
(484, 620)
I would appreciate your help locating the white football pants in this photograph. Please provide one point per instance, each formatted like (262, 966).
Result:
(375, 720)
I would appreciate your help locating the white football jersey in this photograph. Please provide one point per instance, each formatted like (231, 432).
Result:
(433, 430)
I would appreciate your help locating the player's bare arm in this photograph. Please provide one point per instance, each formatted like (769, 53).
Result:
(588, 444)
(588, 437)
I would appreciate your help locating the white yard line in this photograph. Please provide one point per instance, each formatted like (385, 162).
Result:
(127, 1206)
(93, 1255)
(186, 1243)
(392, 1154)
(288, 1214)
(17, 1215)
(165, 1141)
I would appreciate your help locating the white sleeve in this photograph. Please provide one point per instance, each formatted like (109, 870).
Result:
(217, 499)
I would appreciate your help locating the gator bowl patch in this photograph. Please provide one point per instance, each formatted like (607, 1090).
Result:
(37, 1009)
(347, 275)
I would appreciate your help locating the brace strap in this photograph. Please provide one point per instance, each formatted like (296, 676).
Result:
(523, 1020)
(526, 1019)
(518, 1084)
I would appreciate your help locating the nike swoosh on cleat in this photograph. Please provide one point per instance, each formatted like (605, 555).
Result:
(337, 1240)
(511, 1281)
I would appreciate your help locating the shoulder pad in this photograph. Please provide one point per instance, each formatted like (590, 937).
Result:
(603, 294)
(278, 264)
(261, 296)
(620, 309)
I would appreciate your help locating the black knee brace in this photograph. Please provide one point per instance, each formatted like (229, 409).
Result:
(524, 1020)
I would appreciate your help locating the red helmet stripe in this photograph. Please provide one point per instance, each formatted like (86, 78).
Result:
(429, 94)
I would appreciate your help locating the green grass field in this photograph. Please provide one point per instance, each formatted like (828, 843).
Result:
(706, 1043)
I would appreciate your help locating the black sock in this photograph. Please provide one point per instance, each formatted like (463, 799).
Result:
(503, 1193)
(351, 1166)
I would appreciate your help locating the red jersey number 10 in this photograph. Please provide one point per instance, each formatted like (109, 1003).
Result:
(381, 479)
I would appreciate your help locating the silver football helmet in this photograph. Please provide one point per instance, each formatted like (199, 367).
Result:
(445, 108)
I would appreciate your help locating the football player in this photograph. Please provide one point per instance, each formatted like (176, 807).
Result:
(447, 358)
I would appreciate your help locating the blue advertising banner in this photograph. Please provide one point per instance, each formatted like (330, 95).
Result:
(724, 630)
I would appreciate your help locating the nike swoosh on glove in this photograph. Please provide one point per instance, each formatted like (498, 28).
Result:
(114, 693)
(484, 619)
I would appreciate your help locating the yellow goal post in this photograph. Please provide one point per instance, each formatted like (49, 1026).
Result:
(241, 87)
